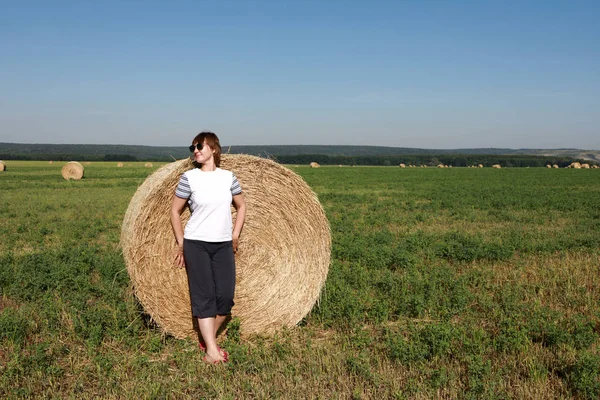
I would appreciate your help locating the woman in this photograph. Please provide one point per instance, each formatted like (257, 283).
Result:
(206, 247)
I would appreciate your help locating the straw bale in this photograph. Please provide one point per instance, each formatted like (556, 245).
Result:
(120, 165)
(595, 166)
(440, 166)
(402, 166)
(314, 165)
(575, 165)
(497, 166)
(555, 166)
(148, 165)
(2, 166)
(282, 260)
(50, 162)
(72, 170)
(548, 166)
(585, 166)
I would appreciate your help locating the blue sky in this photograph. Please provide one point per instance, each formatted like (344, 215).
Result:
(428, 74)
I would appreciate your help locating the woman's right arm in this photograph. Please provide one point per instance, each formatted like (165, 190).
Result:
(176, 209)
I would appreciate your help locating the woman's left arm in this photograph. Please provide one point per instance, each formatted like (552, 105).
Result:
(239, 203)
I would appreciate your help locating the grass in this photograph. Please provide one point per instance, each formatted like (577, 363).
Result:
(453, 283)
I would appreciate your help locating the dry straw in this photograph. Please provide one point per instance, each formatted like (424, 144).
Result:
(314, 165)
(72, 170)
(148, 165)
(120, 165)
(2, 166)
(283, 256)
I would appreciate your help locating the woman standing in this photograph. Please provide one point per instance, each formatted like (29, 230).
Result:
(207, 245)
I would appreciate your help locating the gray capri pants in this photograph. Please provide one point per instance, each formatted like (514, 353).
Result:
(210, 268)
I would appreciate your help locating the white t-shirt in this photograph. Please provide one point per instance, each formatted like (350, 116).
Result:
(209, 195)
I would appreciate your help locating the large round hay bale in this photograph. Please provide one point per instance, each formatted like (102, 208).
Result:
(2, 166)
(548, 166)
(585, 166)
(148, 165)
(595, 166)
(72, 170)
(282, 260)
(554, 165)
(575, 165)
(402, 166)
(314, 165)
(497, 166)
(120, 165)
(50, 162)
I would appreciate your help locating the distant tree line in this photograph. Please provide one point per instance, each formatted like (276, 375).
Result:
(455, 160)
(70, 157)
(430, 160)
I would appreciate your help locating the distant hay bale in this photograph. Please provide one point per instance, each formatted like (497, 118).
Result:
(585, 166)
(120, 165)
(402, 166)
(2, 166)
(497, 166)
(479, 165)
(50, 162)
(283, 256)
(314, 165)
(72, 170)
(148, 165)
(575, 165)
(595, 166)
(548, 166)
(555, 166)
(440, 165)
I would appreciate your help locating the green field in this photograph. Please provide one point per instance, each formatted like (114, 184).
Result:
(444, 283)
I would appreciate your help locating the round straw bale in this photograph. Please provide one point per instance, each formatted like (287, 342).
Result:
(50, 162)
(120, 165)
(595, 166)
(2, 166)
(575, 165)
(72, 170)
(402, 166)
(148, 165)
(440, 166)
(497, 166)
(282, 260)
(585, 166)
(548, 166)
(314, 165)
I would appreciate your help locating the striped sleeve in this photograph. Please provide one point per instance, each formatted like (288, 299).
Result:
(235, 186)
(183, 190)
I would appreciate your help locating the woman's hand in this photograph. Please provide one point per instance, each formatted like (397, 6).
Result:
(179, 260)
(234, 242)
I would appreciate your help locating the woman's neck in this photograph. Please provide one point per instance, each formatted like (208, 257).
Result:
(208, 167)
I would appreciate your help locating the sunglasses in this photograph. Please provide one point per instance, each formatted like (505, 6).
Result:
(198, 146)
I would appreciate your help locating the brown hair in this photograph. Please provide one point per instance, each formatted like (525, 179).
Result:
(212, 141)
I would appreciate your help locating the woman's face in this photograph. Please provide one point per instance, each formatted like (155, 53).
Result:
(204, 155)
